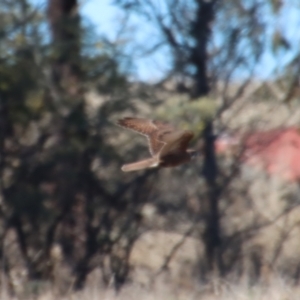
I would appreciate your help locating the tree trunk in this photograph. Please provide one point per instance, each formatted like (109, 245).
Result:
(201, 32)
(64, 23)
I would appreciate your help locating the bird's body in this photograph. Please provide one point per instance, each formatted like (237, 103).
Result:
(167, 145)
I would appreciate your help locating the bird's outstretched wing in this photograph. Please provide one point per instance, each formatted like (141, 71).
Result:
(155, 131)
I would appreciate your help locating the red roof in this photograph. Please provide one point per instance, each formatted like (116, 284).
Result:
(276, 151)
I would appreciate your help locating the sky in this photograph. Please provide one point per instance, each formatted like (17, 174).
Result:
(100, 12)
(104, 16)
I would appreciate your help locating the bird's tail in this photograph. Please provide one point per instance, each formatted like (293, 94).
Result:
(143, 164)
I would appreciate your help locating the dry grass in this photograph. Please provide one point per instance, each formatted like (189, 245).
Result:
(277, 289)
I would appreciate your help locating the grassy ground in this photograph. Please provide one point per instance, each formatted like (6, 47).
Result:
(277, 289)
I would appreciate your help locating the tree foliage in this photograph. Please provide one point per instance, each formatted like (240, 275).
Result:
(57, 162)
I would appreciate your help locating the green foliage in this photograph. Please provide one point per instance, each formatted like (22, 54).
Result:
(188, 114)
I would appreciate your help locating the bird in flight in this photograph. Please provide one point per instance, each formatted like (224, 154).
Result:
(167, 145)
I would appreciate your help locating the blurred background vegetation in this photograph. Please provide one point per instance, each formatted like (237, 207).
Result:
(68, 211)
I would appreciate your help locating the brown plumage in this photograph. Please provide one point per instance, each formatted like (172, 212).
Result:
(167, 145)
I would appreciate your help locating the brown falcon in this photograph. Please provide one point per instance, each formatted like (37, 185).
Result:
(168, 146)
